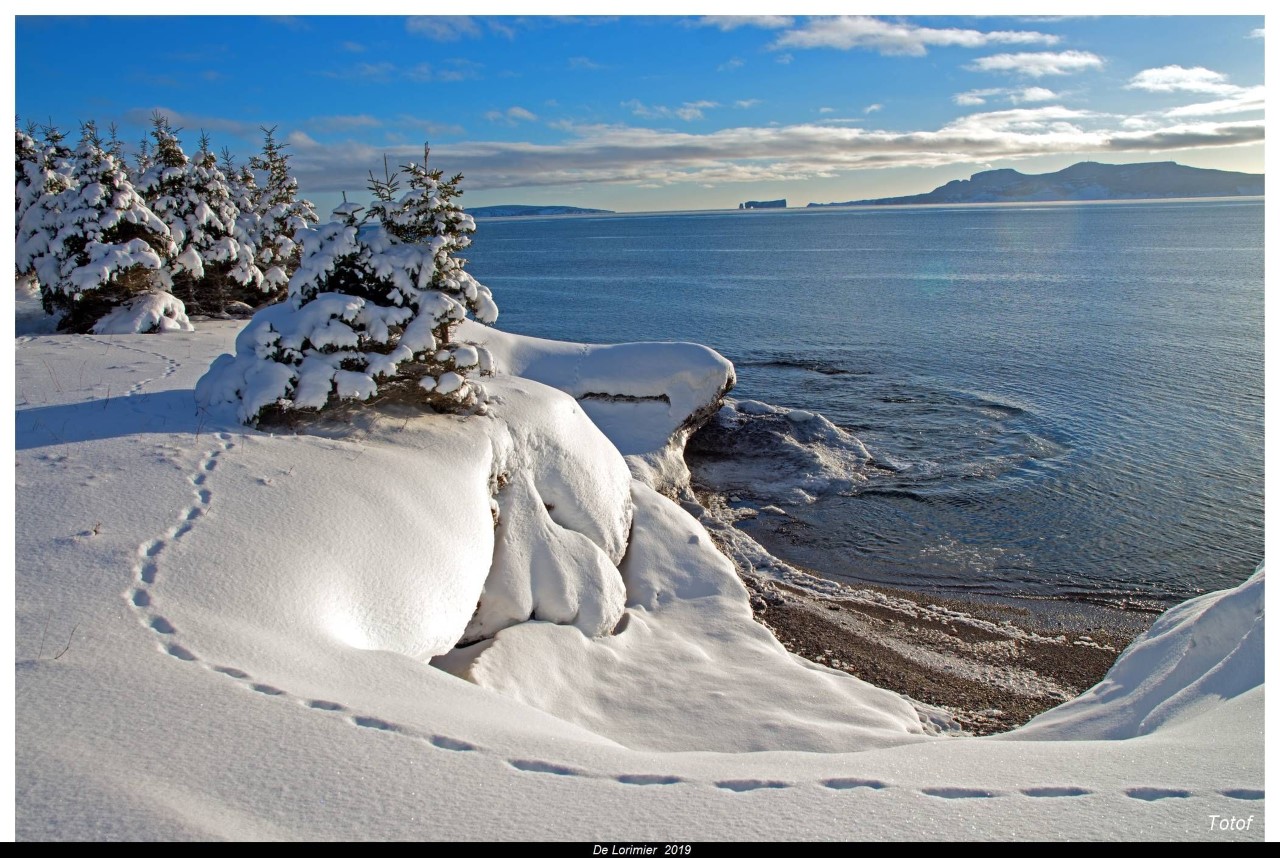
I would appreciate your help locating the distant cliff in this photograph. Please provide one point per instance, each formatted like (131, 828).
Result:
(763, 204)
(530, 211)
(1084, 181)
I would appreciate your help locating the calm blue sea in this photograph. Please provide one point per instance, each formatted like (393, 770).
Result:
(1059, 400)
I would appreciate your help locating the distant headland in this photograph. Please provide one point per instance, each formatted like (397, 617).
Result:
(1087, 180)
(531, 211)
(763, 204)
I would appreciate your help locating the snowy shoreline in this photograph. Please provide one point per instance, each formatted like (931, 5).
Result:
(217, 683)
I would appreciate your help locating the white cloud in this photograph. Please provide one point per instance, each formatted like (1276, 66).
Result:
(1032, 93)
(733, 22)
(1038, 64)
(443, 28)
(872, 108)
(301, 140)
(353, 47)
(633, 155)
(584, 64)
(744, 103)
(731, 64)
(1179, 79)
(1245, 101)
(847, 32)
(1259, 33)
(826, 110)
(511, 116)
(975, 97)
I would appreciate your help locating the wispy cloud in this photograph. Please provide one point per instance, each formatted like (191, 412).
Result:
(689, 111)
(353, 47)
(292, 22)
(363, 71)
(1039, 64)
(455, 70)
(348, 122)
(443, 28)
(848, 32)
(1247, 100)
(784, 59)
(731, 64)
(584, 64)
(1017, 95)
(1180, 79)
(872, 108)
(733, 22)
(1259, 33)
(744, 103)
(193, 122)
(429, 126)
(511, 116)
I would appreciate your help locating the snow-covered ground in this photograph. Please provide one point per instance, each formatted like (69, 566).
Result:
(225, 633)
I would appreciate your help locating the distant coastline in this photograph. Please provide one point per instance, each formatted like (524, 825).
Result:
(1087, 181)
(532, 211)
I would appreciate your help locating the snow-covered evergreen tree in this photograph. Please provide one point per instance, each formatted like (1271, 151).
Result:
(231, 273)
(106, 247)
(38, 191)
(143, 159)
(369, 318)
(212, 257)
(26, 191)
(281, 214)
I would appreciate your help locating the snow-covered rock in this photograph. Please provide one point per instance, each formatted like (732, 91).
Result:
(646, 397)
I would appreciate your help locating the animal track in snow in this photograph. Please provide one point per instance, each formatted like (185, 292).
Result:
(1156, 793)
(959, 792)
(1055, 792)
(545, 768)
(854, 783)
(171, 365)
(1245, 794)
(749, 784)
(326, 705)
(376, 724)
(447, 744)
(649, 780)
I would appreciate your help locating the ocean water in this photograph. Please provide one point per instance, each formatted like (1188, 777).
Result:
(1056, 401)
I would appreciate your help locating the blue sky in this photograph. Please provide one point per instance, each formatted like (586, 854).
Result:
(638, 113)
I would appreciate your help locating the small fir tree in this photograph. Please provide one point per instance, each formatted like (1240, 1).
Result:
(106, 245)
(281, 214)
(212, 263)
(370, 317)
(39, 197)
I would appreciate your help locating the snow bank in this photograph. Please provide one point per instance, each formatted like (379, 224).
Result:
(563, 515)
(1198, 654)
(688, 668)
(154, 312)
